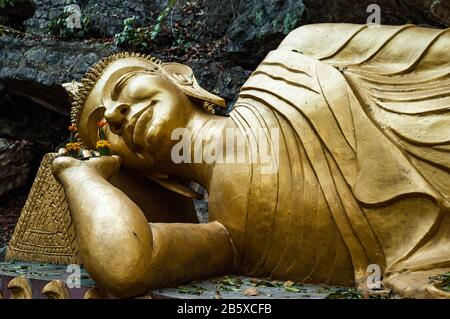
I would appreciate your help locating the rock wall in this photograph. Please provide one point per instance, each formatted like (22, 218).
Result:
(222, 40)
(14, 168)
(226, 38)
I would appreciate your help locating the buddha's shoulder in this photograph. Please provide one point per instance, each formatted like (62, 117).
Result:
(325, 40)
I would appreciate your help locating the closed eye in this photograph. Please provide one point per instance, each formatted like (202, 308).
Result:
(133, 87)
(139, 89)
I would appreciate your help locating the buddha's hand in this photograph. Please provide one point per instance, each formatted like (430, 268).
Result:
(66, 168)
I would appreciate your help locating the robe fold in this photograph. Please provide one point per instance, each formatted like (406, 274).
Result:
(363, 114)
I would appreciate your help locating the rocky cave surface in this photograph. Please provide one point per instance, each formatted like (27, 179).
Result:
(222, 40)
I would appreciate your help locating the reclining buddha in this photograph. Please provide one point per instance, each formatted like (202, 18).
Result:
(362, 159)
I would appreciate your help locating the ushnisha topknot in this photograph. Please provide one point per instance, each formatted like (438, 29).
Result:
(84, 88)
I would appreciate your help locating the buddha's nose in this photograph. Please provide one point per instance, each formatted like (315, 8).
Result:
(116, 117)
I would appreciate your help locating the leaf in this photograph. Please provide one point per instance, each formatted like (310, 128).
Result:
(229, 281)
(344, 294)
(288, 283)
(251, 292)
(265, 283)
(157, 28)
(323, 290)
(191, 290)
(184, 290)
(228, 288)
(292, 289)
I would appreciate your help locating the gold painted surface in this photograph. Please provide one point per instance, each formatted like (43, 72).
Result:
(56, 289)
(95, 293)
(20, 288)
(44, 231)
(362, 114)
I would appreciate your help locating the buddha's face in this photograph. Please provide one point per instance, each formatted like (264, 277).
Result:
(142, 110)
(143, 101)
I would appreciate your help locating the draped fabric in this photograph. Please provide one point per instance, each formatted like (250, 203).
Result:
(364, 119)
(401, 75)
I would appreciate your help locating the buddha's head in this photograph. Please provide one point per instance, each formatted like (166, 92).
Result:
(142, 100)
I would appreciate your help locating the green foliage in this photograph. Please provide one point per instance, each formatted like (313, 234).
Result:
(7, 3)
(58, 27)
(259, 18)
(183, 44)
(136, 37)
(162, 16)
(133, 36)
(228, 283)
(191, 289)
(289, 23)
(344, 294)
(274, 24)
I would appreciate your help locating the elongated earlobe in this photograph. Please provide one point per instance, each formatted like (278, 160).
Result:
(184, 78)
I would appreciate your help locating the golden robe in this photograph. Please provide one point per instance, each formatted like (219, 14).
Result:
(364, 164)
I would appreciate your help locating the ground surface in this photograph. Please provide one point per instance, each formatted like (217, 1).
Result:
(236, 287)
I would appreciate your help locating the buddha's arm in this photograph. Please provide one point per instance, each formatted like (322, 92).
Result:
(117, 246)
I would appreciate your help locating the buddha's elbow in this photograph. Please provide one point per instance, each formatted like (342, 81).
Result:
(122, 266)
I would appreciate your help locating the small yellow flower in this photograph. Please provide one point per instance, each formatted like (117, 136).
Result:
(74, 146)
(103, 144)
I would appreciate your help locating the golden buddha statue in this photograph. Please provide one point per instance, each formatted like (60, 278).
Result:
(362, 166)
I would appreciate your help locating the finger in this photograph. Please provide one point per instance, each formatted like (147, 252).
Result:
(63, 162)
(107, 166)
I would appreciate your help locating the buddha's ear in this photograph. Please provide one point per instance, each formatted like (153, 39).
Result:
(183, 76)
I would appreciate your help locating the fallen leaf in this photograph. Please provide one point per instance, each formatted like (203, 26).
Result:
(292, 289)
(191, 290)
(251, 292)
(288, 283)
